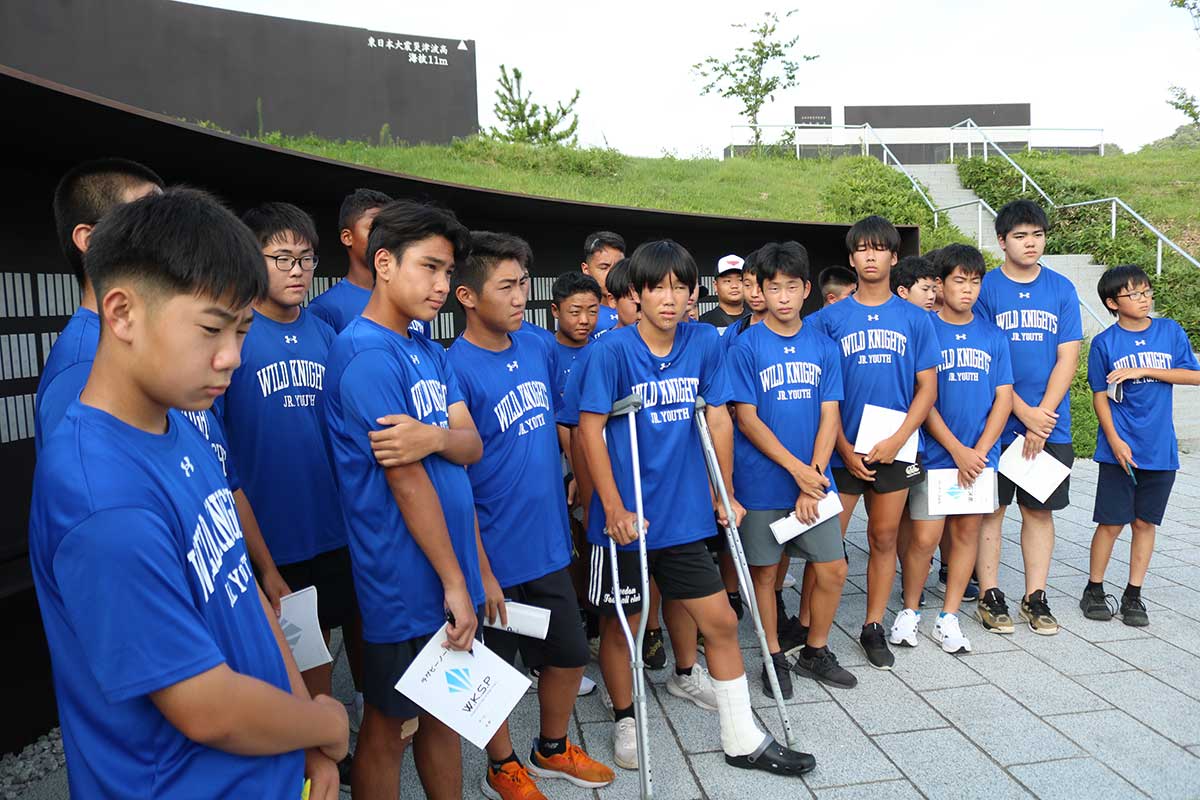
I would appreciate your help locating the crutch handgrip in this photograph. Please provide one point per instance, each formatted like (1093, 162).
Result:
(626, 404)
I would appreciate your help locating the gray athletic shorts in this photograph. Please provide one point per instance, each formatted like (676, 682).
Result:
(918, 501)
(818, 544)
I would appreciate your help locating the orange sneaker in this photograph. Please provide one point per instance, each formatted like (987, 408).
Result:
(574, 765)
(512, 782)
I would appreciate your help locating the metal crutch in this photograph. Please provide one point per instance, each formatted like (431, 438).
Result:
(743, 569)
(628, 407)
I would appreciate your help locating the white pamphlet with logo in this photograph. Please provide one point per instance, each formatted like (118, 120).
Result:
(471, 692)
(298, 619)
(879, 423)
(947, 497)
(523, 620)
(790, 527)
(1039, 475)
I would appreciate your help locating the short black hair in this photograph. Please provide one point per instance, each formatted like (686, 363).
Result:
(787, 259)
(750, 265)
(270, 221)
(873, 230)
(836, 276)
(573, 282)
(1020, 212)
(1114, 279)
(403, 222)
(617, 280)
(87, 192)
(911, 269)
(487, 250)
(357, 203)
(963, 256)
(598, 240)
(653, 261)
(182, 241)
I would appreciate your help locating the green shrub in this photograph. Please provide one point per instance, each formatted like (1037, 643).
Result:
(1083, 416)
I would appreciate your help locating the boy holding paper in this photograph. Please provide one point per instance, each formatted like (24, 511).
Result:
(889, 359)
(414, 548)
(787, 381)
(1038, 311)
(1135, 446)
(973, 403)
(521, 507)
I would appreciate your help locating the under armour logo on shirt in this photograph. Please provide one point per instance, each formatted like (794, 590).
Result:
(1023, 295)
(1139, 342)
(789, 349)
(291, 339)
(872, 317)
(511, 365)
(415, 360)
(186, 466)
(663, 365)
(960, 336)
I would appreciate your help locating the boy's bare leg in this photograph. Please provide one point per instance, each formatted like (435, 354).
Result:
(1140, 550)
(682, 629)
(923, 541)
(716, 620)
(500, 746)
(828, 579)
(785, 563)
(437, 752)
(987, 560)
(655, 621)
(1102, 546)
(1037, 547)
(728, 571)
(883, 522)
(319, 680)
(557, 688)
(808, 581)
(764, 594)
(377, 756)
(964, 542)
(614, 659)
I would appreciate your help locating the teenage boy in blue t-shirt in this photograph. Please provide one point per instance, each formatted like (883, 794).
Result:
(521, 507)
(82, 197)
(411, 527)
(1038, 311)
(973, 403)
(601, 251)
(271, 415)
(787, 382)
(669, 366)
(172, 676)
(889, 359)
(574, 304)
(1135, 445)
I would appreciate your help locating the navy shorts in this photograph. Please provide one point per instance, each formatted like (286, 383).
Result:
(330, 573)
(1059, 499)
(1120, 502)
(565, 645)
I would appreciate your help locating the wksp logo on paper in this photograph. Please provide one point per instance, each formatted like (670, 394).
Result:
(458, 680)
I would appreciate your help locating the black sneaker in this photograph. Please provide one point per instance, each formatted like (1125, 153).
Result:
(874, 644)
(1133, 612)
(654, 654)
(921, 600)
(1097, 605)
(992, 612)
(792, 635)
(735, 602)
(824, 668)
(783, 672)
(943, 574)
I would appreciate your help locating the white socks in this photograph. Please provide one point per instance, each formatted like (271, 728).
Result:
(740, 735)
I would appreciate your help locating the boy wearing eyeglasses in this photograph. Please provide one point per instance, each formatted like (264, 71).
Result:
(275, 429)
(1135, 446)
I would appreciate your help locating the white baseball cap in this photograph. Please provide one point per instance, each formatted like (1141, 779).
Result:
(729, 263)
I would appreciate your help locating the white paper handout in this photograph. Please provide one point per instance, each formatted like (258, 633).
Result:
(1039, 476)
(298, 619)
(471, 692)
(879, 423)
(523, 620)
(790, 527)
(1116, 392)
(947, 497)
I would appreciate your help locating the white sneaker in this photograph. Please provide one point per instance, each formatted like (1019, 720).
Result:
(625, 752)
(606, 698)
(788, 581)
(586, 684)
(904, 629)
(947, 631)
(695, 687)
(354, 711)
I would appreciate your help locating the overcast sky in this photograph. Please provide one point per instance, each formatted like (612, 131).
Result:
(1080, 63)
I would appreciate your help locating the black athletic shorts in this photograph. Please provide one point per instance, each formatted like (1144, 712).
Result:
(565, 645)
(682, 572)
(330, 573)
(888, 478)
(1119, 501)
(383, 664)
(1057, 501)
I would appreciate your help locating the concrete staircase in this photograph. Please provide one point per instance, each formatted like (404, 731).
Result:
(945, 189)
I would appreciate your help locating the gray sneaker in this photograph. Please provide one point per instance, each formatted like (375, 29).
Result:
(1133, 612)
(1036, 611)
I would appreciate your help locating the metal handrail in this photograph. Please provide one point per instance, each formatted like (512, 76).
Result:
(980, 204)
(1026, 178)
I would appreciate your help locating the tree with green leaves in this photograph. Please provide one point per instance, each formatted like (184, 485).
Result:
(1180, 99)
(754, 73)
(530, 122)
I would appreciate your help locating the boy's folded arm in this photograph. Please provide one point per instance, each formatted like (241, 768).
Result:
(1181, 376)
(463, 445)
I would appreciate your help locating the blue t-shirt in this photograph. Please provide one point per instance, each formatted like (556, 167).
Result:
(675, 483)
(1145, 416)
(277, 436)
(546, 336)
(518, 486)
(209, 425)
(143, 581)
(563, 359)
(373, 371)
(344, 301)
(975, 362)
(882, 349)
(1036, 318)
(66, 372)
(786, 379)
(606, 319)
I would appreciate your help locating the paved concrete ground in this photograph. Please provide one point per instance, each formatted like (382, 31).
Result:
(1100, 710)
